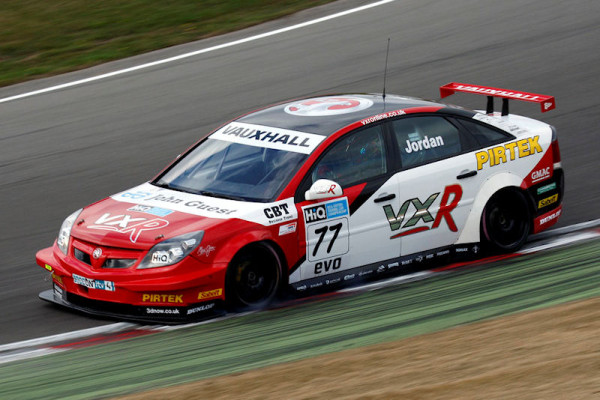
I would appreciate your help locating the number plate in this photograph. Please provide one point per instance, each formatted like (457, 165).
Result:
(327, 232)
(94, 284)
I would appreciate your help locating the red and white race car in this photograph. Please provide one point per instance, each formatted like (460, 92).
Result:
(307, 194)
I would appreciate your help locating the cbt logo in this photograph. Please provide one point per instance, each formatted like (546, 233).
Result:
(276, 211)
(421, 212)
(128, 224)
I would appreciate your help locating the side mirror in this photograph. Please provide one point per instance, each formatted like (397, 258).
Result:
(323, 189)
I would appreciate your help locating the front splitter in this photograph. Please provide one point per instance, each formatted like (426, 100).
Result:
(145, 314)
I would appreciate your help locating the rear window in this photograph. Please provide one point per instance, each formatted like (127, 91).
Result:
(425, 139)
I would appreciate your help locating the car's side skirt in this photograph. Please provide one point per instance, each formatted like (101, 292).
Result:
(397, 266)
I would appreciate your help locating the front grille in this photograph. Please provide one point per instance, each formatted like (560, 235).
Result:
(108, 257)
(81, 256)
(118, 262)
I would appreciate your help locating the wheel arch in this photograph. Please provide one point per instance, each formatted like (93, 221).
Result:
(504, 181)
(232, 245)
(269, 243)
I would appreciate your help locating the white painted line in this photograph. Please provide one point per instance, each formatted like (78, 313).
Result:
(28, 354)
(562, 242)
(566, 229)
(387, 282)
(83, 333)
(165, 328)
(195, 53)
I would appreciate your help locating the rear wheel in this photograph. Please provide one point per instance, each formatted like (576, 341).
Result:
(506, 221)
(253, 277)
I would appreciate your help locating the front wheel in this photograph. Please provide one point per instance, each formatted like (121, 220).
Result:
(506, 221)
(253, 278)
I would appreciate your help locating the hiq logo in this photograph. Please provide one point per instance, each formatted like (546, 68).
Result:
(332, 209)
(159, 212)
(314, 214)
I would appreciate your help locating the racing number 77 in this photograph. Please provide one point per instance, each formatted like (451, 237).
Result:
(322, 231)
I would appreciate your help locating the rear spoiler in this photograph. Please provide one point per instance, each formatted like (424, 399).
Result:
(547, 102)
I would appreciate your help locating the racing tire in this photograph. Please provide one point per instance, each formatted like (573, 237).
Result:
(506, 222)
(253, 278)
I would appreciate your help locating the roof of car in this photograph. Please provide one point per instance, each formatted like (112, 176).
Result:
(325, 115)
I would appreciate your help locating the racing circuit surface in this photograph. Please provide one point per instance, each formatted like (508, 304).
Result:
(64, 149)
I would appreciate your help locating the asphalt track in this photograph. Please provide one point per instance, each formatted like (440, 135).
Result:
(65, 149)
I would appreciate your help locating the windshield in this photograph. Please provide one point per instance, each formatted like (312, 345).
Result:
(231, 170)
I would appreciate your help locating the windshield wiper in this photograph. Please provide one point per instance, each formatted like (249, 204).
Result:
(167, 186)
(162, 185)
(220, 195)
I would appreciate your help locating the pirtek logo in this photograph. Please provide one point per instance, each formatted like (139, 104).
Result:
(162, 298)
(499, 154)
(422, 212)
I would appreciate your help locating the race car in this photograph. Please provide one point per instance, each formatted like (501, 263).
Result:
(307, 194)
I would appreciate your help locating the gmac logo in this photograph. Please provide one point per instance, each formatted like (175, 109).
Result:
(422, 212)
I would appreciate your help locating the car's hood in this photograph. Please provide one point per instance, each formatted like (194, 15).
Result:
(140, 217)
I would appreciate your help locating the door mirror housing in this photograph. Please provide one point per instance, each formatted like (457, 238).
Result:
(323, 189)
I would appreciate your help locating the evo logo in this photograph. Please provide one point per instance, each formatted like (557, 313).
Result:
(328, 265)
(421, 212)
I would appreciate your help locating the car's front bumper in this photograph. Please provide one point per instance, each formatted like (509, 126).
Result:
(186, 294)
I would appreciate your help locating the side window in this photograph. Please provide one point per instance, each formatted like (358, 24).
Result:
(425, 139)
(354, 158)
(485, 136)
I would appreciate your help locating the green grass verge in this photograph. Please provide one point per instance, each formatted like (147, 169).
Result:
(40, 37)
(267, 338)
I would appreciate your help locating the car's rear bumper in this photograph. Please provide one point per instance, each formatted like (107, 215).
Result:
(546, 198)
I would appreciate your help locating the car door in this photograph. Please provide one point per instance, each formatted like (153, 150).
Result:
(436, 186)
(343, 233)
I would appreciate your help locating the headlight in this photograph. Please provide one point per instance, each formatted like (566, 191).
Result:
(65, 231)
(171, 250)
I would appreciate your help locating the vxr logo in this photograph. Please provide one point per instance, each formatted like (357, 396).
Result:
(422, 212)
(128, 224)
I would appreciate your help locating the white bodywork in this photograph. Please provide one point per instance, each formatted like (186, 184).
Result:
(422, 213)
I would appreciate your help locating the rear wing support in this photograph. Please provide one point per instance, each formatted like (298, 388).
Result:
(547, 102)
